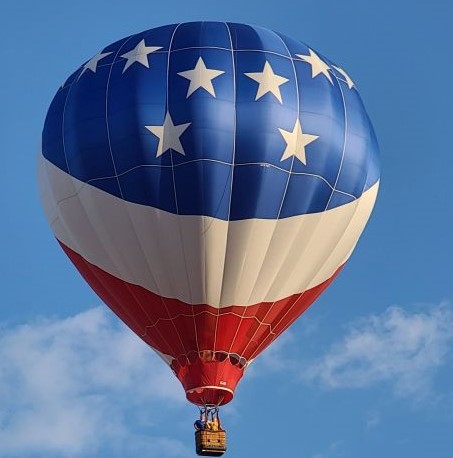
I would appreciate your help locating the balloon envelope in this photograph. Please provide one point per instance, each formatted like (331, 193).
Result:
(208, 180)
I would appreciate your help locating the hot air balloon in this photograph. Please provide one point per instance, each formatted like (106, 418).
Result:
(208, 180)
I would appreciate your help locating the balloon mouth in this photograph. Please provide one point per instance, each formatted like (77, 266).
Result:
(209, 382)
(209, 395)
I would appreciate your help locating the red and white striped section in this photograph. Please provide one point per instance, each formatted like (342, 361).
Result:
(207, 294)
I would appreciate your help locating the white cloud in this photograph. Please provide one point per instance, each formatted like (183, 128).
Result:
(86, 386)
(402, 348)
(81, 385)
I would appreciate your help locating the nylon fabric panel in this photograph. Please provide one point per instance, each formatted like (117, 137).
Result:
(161, 322)
(230, 125)
(107, 238)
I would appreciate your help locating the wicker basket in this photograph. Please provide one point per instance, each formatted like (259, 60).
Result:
(210, 443)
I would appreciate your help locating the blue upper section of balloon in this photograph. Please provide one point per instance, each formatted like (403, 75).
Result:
(252, 132)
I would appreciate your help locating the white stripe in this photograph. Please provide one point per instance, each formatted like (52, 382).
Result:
(267, 260)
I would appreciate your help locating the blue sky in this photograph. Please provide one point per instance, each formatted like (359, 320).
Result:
(365, 372)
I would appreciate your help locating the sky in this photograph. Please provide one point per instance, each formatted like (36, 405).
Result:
(366, 371)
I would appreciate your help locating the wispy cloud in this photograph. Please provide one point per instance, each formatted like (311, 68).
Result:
(331, 450)
(274, 358)
(373, 420)
(81, 385)
(402, 348)
(85, 385)
(280, 354)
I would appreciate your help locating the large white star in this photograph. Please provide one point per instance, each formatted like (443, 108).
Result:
(168, 135)
(92, 64)
(200, 77)
(296, 141)
(139, 54)
(348, 79)
(268, 81)
(318, 66)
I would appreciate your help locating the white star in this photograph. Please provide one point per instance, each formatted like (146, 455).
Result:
(168, 135)
(93, 62)
(317, 65)
(268, 82)
(349, 81)
(200, 77)
(296, 141)
(139, 54)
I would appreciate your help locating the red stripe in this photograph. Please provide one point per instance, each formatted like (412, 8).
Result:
(192, 333)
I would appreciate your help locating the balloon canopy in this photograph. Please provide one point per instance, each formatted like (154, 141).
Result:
(208, 180)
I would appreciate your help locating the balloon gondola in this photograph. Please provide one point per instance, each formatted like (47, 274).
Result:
(208, 180)
(210, 437)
